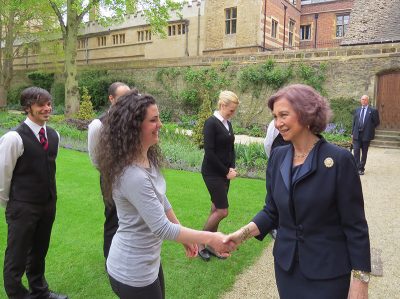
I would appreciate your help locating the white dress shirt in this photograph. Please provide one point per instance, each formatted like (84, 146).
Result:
(93, 139)
(223, 120)
(272, 132)
(11, 148)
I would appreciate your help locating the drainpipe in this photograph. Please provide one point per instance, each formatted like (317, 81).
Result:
(265, 22)
(198, 32)
(186, 24)
(315, 31)
(284, 27)
(87, 50)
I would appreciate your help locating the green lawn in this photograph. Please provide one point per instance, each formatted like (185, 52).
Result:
(75, 264)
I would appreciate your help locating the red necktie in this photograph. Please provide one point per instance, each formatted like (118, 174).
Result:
(43, 139)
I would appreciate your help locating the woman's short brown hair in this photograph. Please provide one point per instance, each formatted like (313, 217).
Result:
(312, 109)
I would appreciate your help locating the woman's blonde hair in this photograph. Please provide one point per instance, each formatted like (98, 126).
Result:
(226, 97)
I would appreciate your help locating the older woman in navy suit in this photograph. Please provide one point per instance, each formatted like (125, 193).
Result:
(315, 202)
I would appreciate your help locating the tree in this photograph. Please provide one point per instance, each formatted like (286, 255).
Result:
(73, 11)
(15, 16)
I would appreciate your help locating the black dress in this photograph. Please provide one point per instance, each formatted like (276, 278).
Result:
(219, 156)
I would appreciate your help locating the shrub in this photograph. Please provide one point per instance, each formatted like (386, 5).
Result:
(58, 93)
(190, 99)
(343, 109)
(263, 76)
(205, 112)
(85, 108)
(42, 79)
(313, 76)
(14, 94)
(97, 83)
(187, 121)
(11, 120)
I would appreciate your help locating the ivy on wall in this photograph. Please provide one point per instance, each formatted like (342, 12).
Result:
(195, 90)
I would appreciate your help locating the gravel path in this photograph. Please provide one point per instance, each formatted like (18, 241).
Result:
(381, 187)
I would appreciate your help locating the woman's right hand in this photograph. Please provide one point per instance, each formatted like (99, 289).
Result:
(219, 244)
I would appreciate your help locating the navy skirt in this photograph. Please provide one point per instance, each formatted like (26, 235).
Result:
(294, 285)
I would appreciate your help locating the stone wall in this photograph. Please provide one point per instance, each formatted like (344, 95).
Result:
(351, 71)
(374, 21)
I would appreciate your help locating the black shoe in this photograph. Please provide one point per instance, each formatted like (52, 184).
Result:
(53, 295)
(214, 253)
(204, 254)
(360, 172)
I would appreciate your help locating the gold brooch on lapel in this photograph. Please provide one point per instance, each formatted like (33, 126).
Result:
(328, 162)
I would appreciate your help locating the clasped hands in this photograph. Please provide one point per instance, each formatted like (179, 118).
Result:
(219, 242)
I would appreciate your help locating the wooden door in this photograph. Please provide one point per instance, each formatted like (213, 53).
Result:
(388, 101)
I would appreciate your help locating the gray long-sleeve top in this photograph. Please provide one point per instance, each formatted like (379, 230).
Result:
(139, 196)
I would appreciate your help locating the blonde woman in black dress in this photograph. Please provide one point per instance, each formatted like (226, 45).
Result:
(218, 166)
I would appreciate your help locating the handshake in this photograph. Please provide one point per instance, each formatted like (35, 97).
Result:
(222, 245)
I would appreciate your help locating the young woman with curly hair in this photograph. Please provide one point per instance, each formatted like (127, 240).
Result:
(129, 161)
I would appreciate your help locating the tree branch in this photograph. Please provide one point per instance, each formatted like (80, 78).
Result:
(86, 9)
(60, 18)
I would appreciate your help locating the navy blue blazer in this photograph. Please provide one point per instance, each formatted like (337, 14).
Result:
(319, 217)
(371, 121)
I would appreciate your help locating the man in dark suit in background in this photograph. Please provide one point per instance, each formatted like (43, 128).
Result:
(28, 190)
(365, 120)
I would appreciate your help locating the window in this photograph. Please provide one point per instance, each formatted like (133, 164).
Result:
(82, 43)
(102, 41)
(118, 39)
(177, 29)
(305, 32)
(144, 35)
(291, 32)
(35, 48)
(342, 23)
(293, 2)
(274, 28)
(230, 20)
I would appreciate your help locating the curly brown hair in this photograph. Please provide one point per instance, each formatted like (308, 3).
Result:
(119, 144)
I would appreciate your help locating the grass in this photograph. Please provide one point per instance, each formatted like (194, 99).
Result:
(75, 264)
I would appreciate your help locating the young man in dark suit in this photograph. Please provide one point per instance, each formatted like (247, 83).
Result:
(365, 120)
(28, 191)
(115, 90)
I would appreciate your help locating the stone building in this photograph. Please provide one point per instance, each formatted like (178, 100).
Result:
(324, 23)
(374, 21)
(235, 27)
(210, 27)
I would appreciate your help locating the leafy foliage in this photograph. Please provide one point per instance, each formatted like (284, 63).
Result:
(14, 95)
(343, 109)
(208, 82)
(313, 76)
(58, 93)
(97, 83)
(86, 108)
(261, 76)
(42, 79)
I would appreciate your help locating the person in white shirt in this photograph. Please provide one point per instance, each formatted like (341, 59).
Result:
(28, 192)
(273, 139)
(115, 90)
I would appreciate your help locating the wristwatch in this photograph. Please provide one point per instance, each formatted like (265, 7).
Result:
(361, 275)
